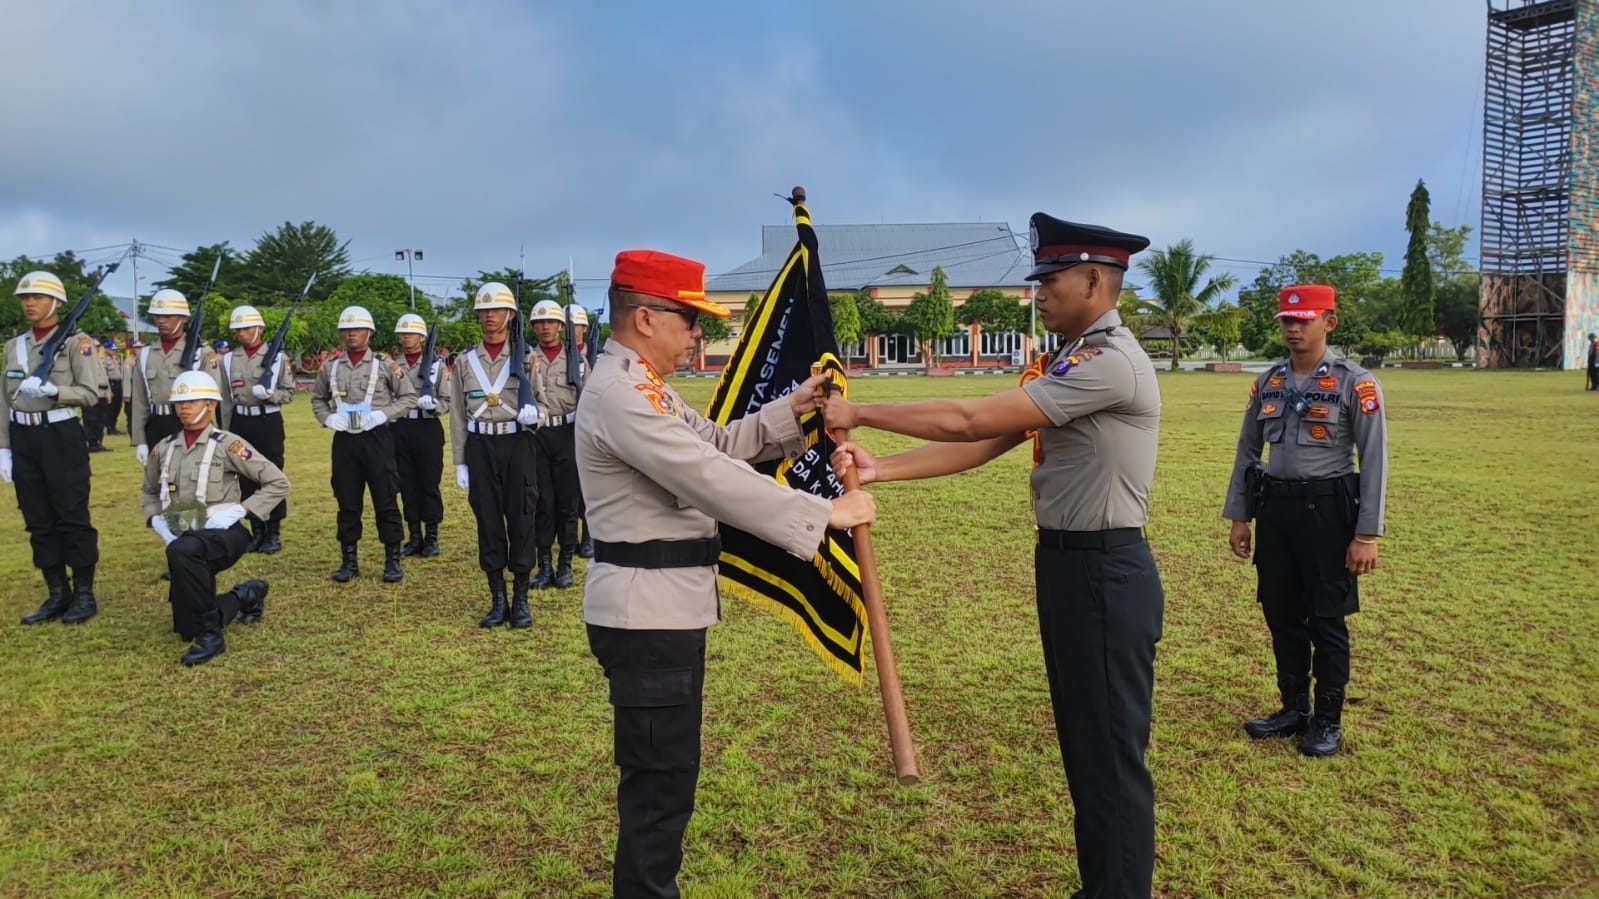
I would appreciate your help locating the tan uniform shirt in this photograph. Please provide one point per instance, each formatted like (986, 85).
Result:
(441, 386)
(472, 395)
(386, 388)
(230, 458)
(76, 375)
(556, 393)
(654, 469)
(1099, 458)
(152, 376)
(241, 372)
(111, 362)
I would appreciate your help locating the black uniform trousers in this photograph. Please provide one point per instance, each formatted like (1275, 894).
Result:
(419, 456)
(158, 428)
(559, 492)
(94, 424)
(114, 409)
(194, 560)
(50, 467)
(502, 488)
(657, 686)
(365, 462)
(265, 433)
(1100, 612)
(1302, 585)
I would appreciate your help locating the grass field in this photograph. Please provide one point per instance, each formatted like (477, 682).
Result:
(368, 740)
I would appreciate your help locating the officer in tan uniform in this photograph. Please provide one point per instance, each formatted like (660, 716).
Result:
(43, 452)
(192, 499)
(357, 393)
(154, 367)
(94, 417)
(1095, 408)
(496, 456)
(1319, 518)
(657, 478)
(419, 440)
(254, 410)
(558, 487)
(580, 325)
(111, 360)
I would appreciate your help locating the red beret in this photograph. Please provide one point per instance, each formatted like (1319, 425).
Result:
(1306, 300)
(663, 275)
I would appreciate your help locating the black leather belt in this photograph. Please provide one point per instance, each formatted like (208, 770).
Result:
(660, 553)
(1280, 487)
(1109, 539)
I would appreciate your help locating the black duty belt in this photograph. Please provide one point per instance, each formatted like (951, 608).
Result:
(1108, 539)
(1279, 487)
(660, 553)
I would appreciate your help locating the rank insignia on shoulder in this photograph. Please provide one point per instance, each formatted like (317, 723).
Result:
(1366, 393)
(1075, 358)
(658, 398)
(238, 448)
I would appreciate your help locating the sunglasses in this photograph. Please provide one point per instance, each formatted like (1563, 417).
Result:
(690, 316)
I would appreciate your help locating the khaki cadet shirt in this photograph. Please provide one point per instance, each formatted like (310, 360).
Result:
(112, 363)
(471, 397)
(1098, 460)
(390, 390)
(556, 393)
(242, 371)
(653, 469)
(231, 457)
(441, 387)
(152, 376)
(76, 374)
(1343, 414)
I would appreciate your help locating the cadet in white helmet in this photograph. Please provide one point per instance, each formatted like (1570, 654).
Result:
(580, 327)
(254, 391)
(357, 393)
(557, 458)
(495, 453)
(42, 449)
(156, 365)
(193, 499)
(419, 440)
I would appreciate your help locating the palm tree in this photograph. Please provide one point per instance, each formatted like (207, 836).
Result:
(1175, 274)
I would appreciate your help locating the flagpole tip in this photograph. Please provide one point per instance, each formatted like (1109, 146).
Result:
(797, 194)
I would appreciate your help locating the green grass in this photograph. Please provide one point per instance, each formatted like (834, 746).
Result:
(367, 740)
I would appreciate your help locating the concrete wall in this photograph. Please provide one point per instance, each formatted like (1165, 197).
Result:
(1582, 285)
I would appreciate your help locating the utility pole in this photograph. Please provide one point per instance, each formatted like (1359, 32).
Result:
(408, 254)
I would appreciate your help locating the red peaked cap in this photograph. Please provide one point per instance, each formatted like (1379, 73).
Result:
(663, 275)
(1306, 301)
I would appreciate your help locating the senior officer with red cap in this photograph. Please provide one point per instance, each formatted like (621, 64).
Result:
(1095, 408)
(657, 477)
(1319, 518)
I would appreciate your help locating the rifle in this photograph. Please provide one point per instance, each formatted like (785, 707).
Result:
(429, 352)
(191, 336)
(574, 361)
(524, 384)
(53, 345)
(275, 348)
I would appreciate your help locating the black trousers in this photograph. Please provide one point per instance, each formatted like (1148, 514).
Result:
(50, 467)
(159, 427)
(657, 687)
(195, 559)
(94, 424)
(115, 407)
(419, 457)
(1593, 378)
(265, 433)
(503, 492)
(1100, 614)
(1304, 590)
(365, 463)
(559, 494)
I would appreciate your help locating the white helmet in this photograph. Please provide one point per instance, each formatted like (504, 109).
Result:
(355, 317)
(580, 316)
(42, 283)
(169, 302)
(245, 317)
(411, 323)
(194, 385)
(494, 295)
(547, 311)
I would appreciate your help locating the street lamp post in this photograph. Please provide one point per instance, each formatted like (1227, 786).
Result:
(408, 254)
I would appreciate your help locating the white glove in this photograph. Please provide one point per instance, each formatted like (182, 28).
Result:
(260, 393)
(162, 529)
(427, 403)
(36, 387)
(142, 453)
(463, 479)
(5, 465)
(374, 420)
(527, 416)
(225, 517)
(338, 421)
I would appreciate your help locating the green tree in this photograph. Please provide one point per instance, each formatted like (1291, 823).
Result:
(931, 317)
(993, 310)
(1455, 312)
(529, 291)
(846, 319)
(190, 275)
(1218, 327)
(1175, 275)
(387, 297)
(1355, 276)
(1134, 314)
(459, 336)
(276, 269)
(875, 317)
(1420, 290)
(101, 318)
(749, 307)
(1446, 252)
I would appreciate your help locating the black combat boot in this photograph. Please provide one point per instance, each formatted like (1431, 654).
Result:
(257, 529)
(1325, 733)
(521, 616)
(430, 539)
(350, 567)
(208, 643)
(270, 542)
(413, 545)
(252, 596)
(563, 568)
(83, 607)
(1291, 718)
(585, 547)
(546, 575)
(496, 615)
(391, 564)
(55, 600)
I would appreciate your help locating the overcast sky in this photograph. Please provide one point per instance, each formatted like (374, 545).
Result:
(575, 129)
